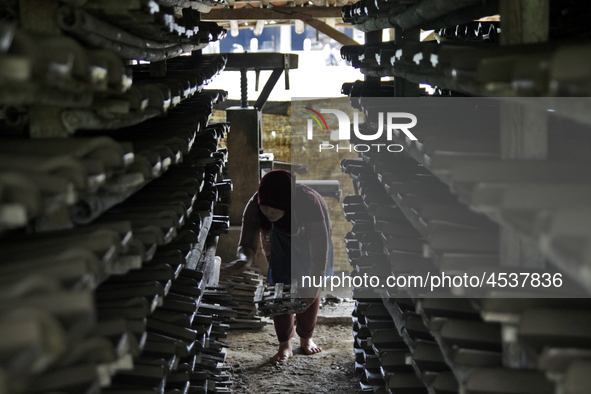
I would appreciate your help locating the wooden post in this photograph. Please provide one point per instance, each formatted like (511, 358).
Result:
(403, 87)
(524, 21)
(524, 135)
(243, 150)
(373, 38)
(524, 130)
(244, 170)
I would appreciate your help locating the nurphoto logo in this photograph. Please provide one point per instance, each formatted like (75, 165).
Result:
(344, 132)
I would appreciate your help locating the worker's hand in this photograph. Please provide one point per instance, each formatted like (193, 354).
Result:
(236, 267)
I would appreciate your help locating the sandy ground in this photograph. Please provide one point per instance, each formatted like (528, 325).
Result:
(330, 371)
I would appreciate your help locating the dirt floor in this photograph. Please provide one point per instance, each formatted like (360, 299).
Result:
(330, 371)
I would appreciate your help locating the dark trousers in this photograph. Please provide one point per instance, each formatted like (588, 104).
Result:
(305, 327)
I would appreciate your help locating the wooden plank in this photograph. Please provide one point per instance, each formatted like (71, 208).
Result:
(239, 286)
(270, 14)
(259, 294)
(244, 307)
(278, 291)
(210, 266)
(235, 292)
(195, 258)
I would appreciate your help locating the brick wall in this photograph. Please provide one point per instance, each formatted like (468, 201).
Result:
(324, 166)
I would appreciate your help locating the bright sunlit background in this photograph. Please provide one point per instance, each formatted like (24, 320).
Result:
(321, 71)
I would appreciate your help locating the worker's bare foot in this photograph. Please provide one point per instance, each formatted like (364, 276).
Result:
(283, 354)
(309, 346)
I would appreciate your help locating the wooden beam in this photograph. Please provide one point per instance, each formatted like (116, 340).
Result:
(309, 15)
(272, 107)
(264, 95)
(261, 61)
(331, 32)
(271, 14)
